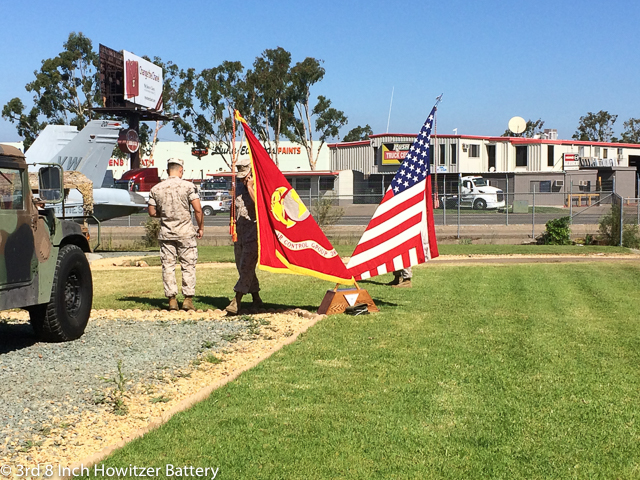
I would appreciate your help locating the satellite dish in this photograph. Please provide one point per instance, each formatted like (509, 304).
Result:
(517, 125)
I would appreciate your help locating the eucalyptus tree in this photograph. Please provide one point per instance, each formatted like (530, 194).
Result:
(358, 133)
(597, 127)
(631, 132)
(205, 103)
(65, 90)
(308, 118)
(268, 94)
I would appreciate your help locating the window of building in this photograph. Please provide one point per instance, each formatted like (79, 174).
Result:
(431, 155)
(11, 189)
(443, 151)
(474, 151)
(605, 153)
(522, 159)
(550, 159)
(541, 186)
(327, 183)
(303, 184)
(454, 152)
(491, 155)
(596, 152)
(581, 151)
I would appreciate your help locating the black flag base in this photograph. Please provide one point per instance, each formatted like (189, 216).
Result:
(337, 301)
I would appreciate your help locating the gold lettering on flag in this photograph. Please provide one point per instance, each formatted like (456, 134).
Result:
(305, 245)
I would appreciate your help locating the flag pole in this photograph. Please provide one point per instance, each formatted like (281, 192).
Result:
(232, 210)
(435, 146)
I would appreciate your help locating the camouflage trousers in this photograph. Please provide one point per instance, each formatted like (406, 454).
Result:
(246, 254)
(405, 273)
(186, 252)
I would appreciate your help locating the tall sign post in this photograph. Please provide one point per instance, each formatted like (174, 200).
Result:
(131, 88)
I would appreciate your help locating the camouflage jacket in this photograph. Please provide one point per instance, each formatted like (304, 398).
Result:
(172, 199)
(245, 215)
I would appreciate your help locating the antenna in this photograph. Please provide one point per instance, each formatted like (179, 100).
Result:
(390, 104)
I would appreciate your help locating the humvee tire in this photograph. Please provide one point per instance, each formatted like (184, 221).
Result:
(66, 315)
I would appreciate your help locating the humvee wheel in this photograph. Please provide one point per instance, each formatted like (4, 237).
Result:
(66, 315)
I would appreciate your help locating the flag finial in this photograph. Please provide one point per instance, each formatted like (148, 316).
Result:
(239, 117)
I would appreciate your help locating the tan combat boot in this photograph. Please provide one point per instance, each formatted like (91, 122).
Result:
(403, 283)
(173, 303)
(187, 305)
(233, 307)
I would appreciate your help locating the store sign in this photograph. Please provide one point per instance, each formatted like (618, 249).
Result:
(571, 161)
(199, 152)
(394, 154)
(128, 141)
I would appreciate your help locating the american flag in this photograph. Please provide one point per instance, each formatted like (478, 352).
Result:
(401, 232)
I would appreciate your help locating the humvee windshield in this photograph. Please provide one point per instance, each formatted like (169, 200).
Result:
(11, 189)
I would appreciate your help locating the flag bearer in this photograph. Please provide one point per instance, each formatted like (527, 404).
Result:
(246, 247)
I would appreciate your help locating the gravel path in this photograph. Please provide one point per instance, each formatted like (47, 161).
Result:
(45, 383)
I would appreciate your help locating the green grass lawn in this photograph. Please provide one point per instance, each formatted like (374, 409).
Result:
(208, 254)
(509, 371)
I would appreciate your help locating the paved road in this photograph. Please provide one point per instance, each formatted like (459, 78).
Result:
(359, 219)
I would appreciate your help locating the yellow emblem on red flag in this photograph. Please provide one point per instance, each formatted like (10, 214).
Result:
(289, 239)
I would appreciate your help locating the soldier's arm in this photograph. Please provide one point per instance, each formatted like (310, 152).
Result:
(197, 210)
(151, 203)
(250, 184)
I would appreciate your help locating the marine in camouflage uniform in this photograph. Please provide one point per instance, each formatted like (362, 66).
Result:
(170, 200)
(246, 246)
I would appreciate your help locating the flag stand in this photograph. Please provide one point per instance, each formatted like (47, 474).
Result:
(336, 301)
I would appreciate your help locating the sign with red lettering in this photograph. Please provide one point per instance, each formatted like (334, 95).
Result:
(571, 161)
(199, 152)
(393, 154)
(128, 141)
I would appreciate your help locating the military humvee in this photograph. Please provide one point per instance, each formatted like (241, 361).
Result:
(43, 267)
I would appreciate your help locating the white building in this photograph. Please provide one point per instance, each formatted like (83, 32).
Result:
(545, 165)
(291, 157)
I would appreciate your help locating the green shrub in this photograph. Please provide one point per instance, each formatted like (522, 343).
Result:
(609, 228)
(151, 230)
(324, 212)
(558, 232)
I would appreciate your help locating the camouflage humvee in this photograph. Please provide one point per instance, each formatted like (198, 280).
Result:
(43, 267)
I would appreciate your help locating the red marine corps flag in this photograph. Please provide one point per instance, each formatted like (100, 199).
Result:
(289, 239)
(401, 232)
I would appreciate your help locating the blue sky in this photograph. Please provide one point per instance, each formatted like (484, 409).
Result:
(554, 60)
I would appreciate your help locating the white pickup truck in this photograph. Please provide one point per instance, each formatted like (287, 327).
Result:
(215, 201)
(475, 192)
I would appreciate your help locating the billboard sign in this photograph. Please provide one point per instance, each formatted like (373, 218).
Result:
(142, 82)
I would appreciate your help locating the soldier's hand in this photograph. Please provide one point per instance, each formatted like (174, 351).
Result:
(200, 233)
